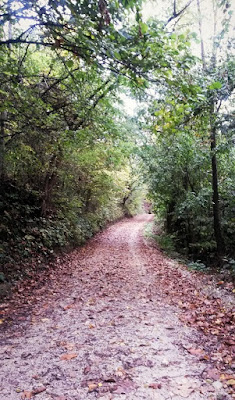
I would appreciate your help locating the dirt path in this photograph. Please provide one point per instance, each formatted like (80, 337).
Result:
(103, 328)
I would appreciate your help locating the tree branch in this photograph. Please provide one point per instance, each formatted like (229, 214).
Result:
(179, 13)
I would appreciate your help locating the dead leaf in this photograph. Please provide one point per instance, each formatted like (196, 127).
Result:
(184, 390)
(39, 390)
(195, 352)
(36, 377)
(26, 395)
(224, 377)
(120, 372)
(68, 356)
(213, 373)
(92, 387)
(68, 306)
(86, 370)
(231, 382)
(125, 387)
(230, 342)
(68, 345)
(155, 385)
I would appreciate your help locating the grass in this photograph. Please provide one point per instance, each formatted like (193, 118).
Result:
(154, 230)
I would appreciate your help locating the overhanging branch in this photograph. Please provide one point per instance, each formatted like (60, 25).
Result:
(179, 13)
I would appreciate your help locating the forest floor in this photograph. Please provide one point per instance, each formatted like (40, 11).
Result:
(117, 319)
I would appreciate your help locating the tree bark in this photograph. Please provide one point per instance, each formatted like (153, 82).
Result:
(49, 183)
(216, 208)
(2, 145)
(3, 117)
(201, 35)
(213, 135)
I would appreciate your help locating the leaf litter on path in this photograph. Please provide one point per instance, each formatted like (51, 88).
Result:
(132, 324)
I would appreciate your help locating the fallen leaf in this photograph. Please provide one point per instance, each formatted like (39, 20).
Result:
(224, 377)
(231, 382)
(212, 373)
(36, 377)
(125, 387)
(155, 385)
(86, 370)
(68, 356)
(92, 387)
(230, 342)
(195, 352)
(27, 395)
(39, 390)
(184, 390)
(68, 345)
(120, 372)
(68, 306)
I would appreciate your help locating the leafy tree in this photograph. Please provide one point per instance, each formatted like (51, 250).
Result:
(190, 110)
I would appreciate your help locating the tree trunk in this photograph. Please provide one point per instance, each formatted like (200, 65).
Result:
(49, 183)
(169, 217)
(215, 198)
(201, 35)
(216, 209)
(2, 145)
(3, 117)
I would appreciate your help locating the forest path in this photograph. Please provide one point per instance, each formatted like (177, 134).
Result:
(103, 328)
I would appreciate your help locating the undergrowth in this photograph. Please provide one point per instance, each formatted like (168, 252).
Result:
(168, 244)
(28, 240)
(154, 230)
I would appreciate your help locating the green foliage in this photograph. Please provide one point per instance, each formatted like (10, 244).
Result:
(65, 153)
(197, 266)
(229, 264)
(179, 162)
(215, 85)
(71, 160)
(180, 184)
(166, 243)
